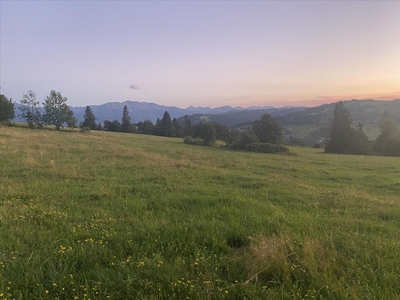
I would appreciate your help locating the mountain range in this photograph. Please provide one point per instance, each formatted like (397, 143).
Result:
(142, 111)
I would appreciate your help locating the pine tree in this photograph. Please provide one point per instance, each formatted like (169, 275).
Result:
(126, 120)
(89, 119)
(388, 128)
(187, 127)
(360, 143)
(267, 130)
(341, 132)
(6, 109)
(166, 125)
(176, 128)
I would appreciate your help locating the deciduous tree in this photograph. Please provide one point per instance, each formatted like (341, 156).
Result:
(56, 109)
(31, 110)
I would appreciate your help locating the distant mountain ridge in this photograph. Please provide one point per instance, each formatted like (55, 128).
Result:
(141, 111)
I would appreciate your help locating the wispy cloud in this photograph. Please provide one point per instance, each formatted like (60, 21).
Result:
(134, 87)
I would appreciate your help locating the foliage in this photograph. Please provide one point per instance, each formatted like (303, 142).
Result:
(266, 148)
(89, 119)
(146, 127)
(388, 128)
(391, 147)
(71, 121)
(114, 126)
(360, 143)
(6, 109)
(31, 110)
(207, 132)
(56, 110)
(341, 131)
(176, 128)
(85, 129)
(267, 130)
(104, 216)
(126, 125)
(187, 127)
(246, 138)
(164, 126)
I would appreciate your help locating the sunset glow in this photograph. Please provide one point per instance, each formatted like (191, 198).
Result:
(201, 53)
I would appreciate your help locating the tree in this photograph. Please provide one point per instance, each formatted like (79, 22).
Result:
(360, 143)
(388, 127)
(71, 121)
(392, 145)
(30, 110)
(341, 131)
(126, 120)
(146, 127)
(56, 109)
(89, 119)
(164, 126)
(187, 127)
(207, 132)
(176, 128)
(112, 126)
(267, 130)
(6, 109)
(246, 138)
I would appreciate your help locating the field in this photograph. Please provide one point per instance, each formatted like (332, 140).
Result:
(122, 216)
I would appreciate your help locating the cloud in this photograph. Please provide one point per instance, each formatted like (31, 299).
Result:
(134, 87)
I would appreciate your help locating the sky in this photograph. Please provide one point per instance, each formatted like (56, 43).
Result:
(201, 53)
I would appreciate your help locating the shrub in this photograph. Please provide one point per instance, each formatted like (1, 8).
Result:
(85, 129)
(266, 148)
(188, 139)
(317, 146)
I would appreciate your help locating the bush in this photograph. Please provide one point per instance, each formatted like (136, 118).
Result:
(85, 129)
(317, 146)
(266, 148)
(188, 139)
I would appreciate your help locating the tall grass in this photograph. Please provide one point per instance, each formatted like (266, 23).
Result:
(123, 216)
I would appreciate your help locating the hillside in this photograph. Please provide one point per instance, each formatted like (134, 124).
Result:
(108, 215)
(239, 117)
(313, 123)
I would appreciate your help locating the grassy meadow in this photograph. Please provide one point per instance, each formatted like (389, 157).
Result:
(123, 216)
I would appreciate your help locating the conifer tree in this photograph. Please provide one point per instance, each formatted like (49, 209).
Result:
(388, 128)
(341, 131)
(166, 125)
(89, 119)
(6, 109)
(187, 127)
(126, 120)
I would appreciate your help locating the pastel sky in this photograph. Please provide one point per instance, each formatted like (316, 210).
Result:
(201, 53)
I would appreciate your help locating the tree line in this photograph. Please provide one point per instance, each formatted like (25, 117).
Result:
(55, 110)
(344, 139)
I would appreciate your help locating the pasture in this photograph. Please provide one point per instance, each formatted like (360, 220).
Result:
(125, 216)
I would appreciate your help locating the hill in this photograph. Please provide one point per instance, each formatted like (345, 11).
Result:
(237, 118)
(313, 123)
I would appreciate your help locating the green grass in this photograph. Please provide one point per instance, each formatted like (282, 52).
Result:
(124, 216)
